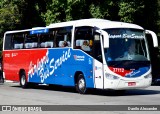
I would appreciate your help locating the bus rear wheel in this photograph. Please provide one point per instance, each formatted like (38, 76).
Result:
(81, 84)
(23, 80)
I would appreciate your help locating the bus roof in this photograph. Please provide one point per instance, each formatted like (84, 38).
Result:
(81, 22)
(100, 23)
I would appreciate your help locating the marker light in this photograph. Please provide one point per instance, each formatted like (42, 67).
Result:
(148, 76)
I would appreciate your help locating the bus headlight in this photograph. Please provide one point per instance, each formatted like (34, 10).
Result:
(111, 77)
(148, 76)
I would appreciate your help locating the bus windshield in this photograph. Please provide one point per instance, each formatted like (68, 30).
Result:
(127, 48)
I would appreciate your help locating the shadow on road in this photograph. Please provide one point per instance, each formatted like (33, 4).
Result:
(135, 92)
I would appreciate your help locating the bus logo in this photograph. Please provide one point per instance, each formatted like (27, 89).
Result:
(79, 58)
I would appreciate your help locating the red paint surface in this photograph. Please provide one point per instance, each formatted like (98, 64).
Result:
(15, 60)
(120, 71)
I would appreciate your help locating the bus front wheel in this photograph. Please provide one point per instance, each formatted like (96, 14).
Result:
(23, 81)
(81, 84)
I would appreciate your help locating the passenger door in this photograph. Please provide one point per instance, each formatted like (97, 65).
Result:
(98, 65)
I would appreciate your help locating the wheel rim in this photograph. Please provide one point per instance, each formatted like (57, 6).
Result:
(81, 84)
(23, 80)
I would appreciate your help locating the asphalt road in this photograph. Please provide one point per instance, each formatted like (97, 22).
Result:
(13, 94)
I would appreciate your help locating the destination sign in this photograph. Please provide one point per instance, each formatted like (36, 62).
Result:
(39, 31)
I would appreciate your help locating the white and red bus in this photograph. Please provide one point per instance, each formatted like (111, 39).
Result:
(38, 55)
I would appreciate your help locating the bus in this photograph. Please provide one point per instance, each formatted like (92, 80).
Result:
(39, 56)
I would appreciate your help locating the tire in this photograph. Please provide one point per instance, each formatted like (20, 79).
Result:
(1, 77)
(23, 80)
(81, 84)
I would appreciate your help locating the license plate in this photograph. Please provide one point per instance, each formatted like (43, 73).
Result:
(131, 83)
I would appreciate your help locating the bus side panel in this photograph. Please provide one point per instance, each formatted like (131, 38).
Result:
(84, 63)
(13, 61)
(19, 59)
(98, 74)
(51, 68)
(36, 65)
(65, 62)
(58, 66)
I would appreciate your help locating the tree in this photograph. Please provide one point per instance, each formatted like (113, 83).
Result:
(128, 9)
(9, 17)
(104, 9)
(64, 10)
(30, 11)
(20, 14)
(150, 15)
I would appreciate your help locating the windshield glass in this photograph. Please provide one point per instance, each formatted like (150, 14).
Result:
(126, 48)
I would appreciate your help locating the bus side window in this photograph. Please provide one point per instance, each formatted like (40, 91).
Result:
(28, 45)
(63, 36)
(47, 40)
(84, 39)
(18, 41)
(8, 44)
(31, 41)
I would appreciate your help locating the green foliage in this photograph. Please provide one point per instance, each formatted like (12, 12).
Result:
(126, 11)
(31, 14)
(56, 11)
(95, 11)
(63, 10)
(9, 17)
(107, 9)
(129, 9)
(23, 14)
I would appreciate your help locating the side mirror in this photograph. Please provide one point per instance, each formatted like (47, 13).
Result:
(154, 37)
(105, 38)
